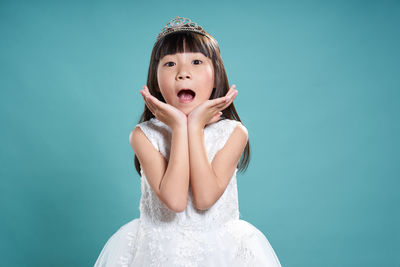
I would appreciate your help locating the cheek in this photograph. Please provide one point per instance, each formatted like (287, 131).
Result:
(164, 83)
(163, 76)
(208, 75)
(207, 79)
(161, 79)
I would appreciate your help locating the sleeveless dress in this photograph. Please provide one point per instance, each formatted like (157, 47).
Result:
(213, 237)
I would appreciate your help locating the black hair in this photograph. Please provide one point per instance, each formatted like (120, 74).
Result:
(186, 41)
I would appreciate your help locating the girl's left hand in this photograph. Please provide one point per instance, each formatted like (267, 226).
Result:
(210, 111)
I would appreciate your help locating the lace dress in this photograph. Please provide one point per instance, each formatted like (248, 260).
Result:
(214, 237)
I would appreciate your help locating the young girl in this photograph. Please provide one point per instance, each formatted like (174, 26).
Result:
(189, 145)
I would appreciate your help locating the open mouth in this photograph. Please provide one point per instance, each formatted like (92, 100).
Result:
(186, 95)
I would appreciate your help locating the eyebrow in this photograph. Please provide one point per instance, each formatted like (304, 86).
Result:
(171, 56)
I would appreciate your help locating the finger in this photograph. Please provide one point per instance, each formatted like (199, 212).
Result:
(146, 90)
(148, 96)
(147, 99)
(225, 98)
(156, 104)
(152, 98)
(150, 103)
(231, 96)
(217, 101)
(229, 101)
(143, 96)
(231, 92)
(215, 118)
(231, 89)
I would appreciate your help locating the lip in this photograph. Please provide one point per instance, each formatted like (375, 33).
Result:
(188, 92)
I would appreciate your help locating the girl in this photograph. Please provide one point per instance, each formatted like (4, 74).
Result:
(189, 145)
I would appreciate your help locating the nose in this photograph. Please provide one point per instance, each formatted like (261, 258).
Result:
(183, 74)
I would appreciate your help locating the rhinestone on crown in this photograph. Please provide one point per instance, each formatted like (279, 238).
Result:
(181, 24)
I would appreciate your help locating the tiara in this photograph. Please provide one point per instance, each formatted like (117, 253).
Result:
(181, 24)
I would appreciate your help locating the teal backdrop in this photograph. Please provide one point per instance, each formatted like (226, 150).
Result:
(318, 86)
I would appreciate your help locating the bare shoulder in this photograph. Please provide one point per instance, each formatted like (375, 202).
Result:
(226, 160)
(152, 162)
(239, 137)
(137, 138)
(141, 145)
(242, 131)
(233, 147)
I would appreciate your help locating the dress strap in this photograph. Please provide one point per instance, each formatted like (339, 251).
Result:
(159, 135)
(218, 134)
(226, 128)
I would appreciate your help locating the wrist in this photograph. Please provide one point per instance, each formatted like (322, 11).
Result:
(194, 124)
(179, 126)
(179, 122)
(195, 127)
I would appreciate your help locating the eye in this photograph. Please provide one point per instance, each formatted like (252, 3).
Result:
(168, 64)
(197, 61)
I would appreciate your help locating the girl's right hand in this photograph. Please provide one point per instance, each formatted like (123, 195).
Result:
(164, 112)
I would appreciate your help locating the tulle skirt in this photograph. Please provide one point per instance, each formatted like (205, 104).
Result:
(235, 244)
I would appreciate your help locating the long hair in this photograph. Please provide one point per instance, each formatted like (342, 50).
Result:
(186, 41)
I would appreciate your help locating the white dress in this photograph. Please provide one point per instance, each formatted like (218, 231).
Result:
(214, 237)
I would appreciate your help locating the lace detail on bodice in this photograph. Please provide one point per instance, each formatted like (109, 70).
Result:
(192, 238)
(155, 213)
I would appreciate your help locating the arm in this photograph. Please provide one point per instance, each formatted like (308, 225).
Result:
(169, 180)
(209, 180)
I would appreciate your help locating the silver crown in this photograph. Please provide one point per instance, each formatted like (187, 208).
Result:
(181, 24)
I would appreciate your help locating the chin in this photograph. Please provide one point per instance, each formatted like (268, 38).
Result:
(187, 110)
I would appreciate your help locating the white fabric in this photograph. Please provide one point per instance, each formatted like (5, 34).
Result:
(215, 237)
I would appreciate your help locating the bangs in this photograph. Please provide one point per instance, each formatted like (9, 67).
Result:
(180, 42)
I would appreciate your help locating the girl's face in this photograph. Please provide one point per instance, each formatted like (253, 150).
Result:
(185, 79)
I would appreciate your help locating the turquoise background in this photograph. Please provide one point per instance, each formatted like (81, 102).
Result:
(318, 86)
